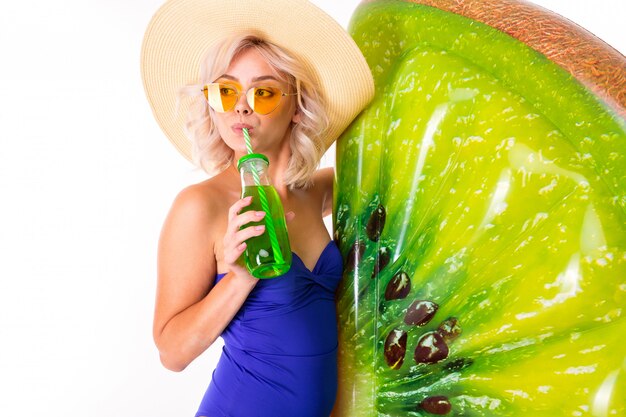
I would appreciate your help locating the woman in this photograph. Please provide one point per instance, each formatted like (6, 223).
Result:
(279, 356)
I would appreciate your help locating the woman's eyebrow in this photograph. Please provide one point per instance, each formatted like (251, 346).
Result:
(255, 79)
(228, 77)
(265, 77)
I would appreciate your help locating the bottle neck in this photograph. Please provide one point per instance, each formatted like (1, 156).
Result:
(254, 172)
(279, 159)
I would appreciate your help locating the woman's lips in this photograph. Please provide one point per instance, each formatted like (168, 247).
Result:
(238, 128)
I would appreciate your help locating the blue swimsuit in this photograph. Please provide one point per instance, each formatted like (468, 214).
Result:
(280, 350)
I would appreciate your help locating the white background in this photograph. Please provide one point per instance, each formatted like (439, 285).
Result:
(86, 178)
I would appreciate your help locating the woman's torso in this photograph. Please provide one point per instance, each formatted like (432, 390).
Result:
(279, 357)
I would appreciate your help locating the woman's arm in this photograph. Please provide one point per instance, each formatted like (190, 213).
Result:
(189, 314)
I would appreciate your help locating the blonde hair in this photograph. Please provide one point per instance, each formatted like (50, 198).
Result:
(306, 138)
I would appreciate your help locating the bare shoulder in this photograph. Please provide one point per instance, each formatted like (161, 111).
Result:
(204, 201)
(188, 223)
(195, 200)
(194, 222)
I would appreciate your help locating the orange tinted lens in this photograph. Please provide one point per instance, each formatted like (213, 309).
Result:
(228, 95)
(263, 100)
(221, 97)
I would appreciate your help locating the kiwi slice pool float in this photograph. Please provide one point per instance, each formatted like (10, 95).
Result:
(481, 210)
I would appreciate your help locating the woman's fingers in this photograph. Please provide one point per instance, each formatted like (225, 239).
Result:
(235, 244)
(247, 217)
(231, 255)
(239, 230)
(245, 234)
(237, 220)
(236, 208)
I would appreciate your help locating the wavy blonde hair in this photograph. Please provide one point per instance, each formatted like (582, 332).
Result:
(306, 137)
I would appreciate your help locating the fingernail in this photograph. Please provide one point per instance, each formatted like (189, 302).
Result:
(259, 227)
(260, 213)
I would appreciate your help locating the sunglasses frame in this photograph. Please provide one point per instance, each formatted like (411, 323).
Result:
(205, 90)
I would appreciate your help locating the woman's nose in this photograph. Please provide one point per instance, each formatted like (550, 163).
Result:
(242, 106)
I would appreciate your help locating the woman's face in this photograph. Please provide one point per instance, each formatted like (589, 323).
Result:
(267, 132)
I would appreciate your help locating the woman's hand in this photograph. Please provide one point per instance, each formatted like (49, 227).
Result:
(234, 243)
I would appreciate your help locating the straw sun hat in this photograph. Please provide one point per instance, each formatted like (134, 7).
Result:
(181, 32)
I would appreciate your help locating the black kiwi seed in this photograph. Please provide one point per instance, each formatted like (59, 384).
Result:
(355, 255)
(398, 287)
(395, 348)
(431, 348)
(420, 312)
(382, 260)
(438, 404)
(449, 329)
(376, 223)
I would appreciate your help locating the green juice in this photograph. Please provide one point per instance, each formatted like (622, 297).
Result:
(263, 259)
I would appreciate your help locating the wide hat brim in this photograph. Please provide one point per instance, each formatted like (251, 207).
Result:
(181, 31)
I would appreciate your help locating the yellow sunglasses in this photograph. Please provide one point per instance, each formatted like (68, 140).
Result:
(223, 97)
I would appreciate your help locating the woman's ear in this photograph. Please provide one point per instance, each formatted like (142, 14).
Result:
(297, 117)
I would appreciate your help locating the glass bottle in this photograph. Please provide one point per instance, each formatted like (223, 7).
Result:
(267, 255)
